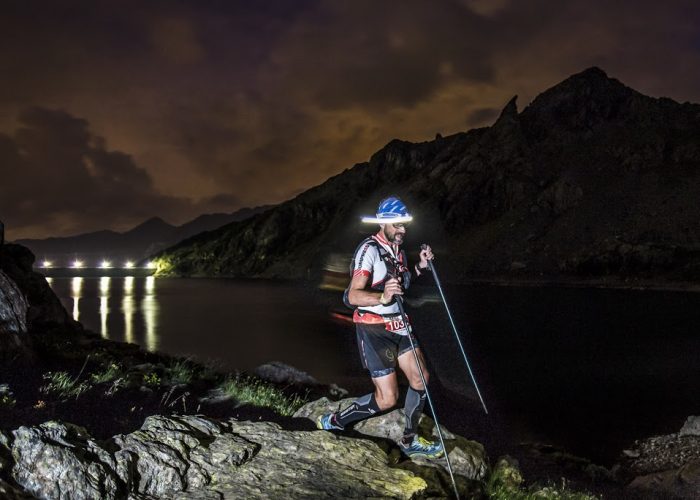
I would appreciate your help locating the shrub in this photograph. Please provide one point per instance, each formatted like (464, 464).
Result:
(151, 379)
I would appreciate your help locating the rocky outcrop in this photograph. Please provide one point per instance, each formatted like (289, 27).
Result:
(13, 316)
(664, 466)
(45, 311)
(591, 180)
(468, 458)
(197, 457)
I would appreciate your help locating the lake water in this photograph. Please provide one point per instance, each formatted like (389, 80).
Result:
(588, 369)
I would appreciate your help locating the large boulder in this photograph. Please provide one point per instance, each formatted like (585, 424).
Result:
(196, 457)
(664, 466)
(468, 458)
(56, 460)
(691, 427)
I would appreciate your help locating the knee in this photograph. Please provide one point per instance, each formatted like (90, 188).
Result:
(417, 383)
(386, 399)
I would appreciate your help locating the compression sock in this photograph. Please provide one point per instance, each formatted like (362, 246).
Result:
(415, 400)
(361, 408)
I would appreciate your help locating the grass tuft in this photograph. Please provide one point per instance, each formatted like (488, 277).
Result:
(63, 385)
(111, 372)
(253, 391)
(506, 483)
(180, 372)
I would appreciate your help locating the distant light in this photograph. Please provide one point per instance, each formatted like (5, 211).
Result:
(152, 264)
(46, 264)
(129, 264)
(105, 264)
(77, 264)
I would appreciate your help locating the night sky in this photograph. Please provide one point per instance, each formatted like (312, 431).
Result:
(114, 112)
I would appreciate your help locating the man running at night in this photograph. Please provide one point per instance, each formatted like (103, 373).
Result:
(379, 274)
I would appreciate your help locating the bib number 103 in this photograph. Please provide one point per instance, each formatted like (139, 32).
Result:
(395, 325)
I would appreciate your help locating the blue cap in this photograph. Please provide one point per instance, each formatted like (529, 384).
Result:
(390, 210)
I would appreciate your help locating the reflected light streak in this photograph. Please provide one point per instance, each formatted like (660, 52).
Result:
(104, 304)
(128, 310)
(49, 281)
(149, 306)
(76, 289)
(129, 285)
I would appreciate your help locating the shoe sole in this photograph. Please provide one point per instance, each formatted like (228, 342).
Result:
(424, 455)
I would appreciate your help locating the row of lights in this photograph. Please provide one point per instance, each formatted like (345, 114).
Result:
(105, 264)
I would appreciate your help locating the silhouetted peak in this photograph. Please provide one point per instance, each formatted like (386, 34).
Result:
(509, 113)
(580, 102)
(152, 224)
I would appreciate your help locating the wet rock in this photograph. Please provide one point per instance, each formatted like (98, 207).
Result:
(189, 457)
(468, 458)
(173, 454)
(57, 460)
(664, 466)
(281, 373)
(691, 427)
(13, 315)
(9, 492)
(315, 464)
(45, 310)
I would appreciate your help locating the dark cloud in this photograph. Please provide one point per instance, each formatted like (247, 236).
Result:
(482, 116)
(59, 177)
(253, 102)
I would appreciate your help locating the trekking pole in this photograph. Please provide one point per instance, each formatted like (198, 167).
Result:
(399, 302)
(431, 266)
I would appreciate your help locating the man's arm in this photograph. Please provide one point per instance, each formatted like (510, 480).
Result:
(359, 296)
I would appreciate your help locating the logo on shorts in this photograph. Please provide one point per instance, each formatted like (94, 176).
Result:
(389, 355)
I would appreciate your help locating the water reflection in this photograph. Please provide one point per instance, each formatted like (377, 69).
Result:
(76, 289)
(105, 282)
(149, 307)
(128, 308)
(119, 308)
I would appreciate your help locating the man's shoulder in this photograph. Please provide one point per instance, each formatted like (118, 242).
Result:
(369, 244)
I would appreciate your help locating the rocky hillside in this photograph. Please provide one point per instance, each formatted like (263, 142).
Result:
(591, 180)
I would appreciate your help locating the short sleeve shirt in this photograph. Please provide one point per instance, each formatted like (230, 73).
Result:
(369, 263)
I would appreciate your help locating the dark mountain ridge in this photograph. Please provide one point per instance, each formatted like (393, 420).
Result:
(591, 180)
(135, 244)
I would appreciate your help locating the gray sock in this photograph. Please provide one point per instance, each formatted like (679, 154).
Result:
(415, 400)
(361, 408)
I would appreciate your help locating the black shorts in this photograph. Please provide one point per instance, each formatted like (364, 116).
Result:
(380, 348)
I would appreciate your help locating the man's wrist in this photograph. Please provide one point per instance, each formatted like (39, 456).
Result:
(420, 270)
(382, 300)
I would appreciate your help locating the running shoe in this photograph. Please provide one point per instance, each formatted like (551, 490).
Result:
(420, 447)
(328, 423)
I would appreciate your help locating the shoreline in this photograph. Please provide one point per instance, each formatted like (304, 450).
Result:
(617, 284)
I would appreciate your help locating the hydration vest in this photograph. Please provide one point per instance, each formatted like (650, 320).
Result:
(394, 269)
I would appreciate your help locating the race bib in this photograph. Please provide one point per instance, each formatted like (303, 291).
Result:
(397, 325)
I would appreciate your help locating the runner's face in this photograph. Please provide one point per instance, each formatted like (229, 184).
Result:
(394, 233)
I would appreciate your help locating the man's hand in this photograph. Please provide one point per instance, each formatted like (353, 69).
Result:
(425, 255)
(391, 287)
